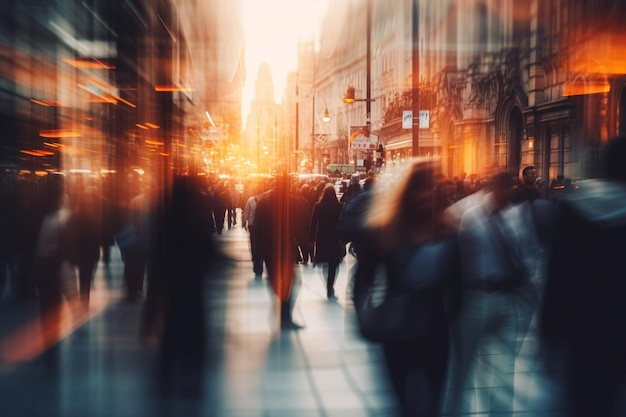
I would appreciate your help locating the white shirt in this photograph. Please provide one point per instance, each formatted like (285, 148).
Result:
(247, 217)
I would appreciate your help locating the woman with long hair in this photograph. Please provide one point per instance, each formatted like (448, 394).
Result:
(405, 234)
(323, 235)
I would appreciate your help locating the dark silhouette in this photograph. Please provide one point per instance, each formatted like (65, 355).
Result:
(583, 310)
(525, 190)
(85, 227)
(179, 258)
(404, 237)
(323, 235)
(279, 225)
(499, 254)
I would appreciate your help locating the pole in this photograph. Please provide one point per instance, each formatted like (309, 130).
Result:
(415, 78)
(368, 76)
(297, 128)
(313, 117)
(258, 141)
(313, 133)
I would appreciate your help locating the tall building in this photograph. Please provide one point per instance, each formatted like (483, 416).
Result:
(262, 125)
(499, 84)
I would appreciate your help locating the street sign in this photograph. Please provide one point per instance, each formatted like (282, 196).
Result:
(362, 139)
(424, 119)
(407, 119)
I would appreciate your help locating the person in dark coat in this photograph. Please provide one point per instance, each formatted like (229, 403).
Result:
(279, 224)
(583, 311)
(397, 231)
(525, 191)
(85, 230)
(323, 234)
(351, 220)
(180, 256)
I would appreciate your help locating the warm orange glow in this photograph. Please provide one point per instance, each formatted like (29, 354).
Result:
(35, 152)
(91, 64)
(603, 53)
(32, 339)
(49, 103)
(95, 93)
(171, 88)
(41, 103)
(52, 145)
(152, 125)
(588, 87)
(140, 126)
(154, 142)
(128, 103)
(59, 133)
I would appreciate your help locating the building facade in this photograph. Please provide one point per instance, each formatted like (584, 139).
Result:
(504, 84)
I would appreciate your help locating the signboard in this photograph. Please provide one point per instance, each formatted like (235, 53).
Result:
(424, 119)
(407, 119)
(362, 139)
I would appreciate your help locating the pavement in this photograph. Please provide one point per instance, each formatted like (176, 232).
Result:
(100, 366)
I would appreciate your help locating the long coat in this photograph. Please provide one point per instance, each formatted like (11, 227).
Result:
(323, 231)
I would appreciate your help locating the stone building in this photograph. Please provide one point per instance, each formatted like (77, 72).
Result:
(505, 84)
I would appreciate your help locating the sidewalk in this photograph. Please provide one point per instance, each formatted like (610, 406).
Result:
(102, 368)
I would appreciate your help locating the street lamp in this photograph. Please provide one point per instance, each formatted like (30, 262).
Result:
(325, 119)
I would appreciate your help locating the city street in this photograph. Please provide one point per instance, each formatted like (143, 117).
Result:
(101, 367)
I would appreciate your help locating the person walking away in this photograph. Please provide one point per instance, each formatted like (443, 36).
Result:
(583, 309)
(221, 202)
(277, 223)
(405, 237)
(180, 257)
(133, 238)
(351, 220)
(323, 235)
(85, 229)
(51, 261)
(354, 188)
(498, 298)
(306, 250)
(247, 222)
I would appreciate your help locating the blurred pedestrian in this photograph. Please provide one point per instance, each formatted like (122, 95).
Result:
(306, 250)
(541, 188)
(133, 236)
(248, 223)
(497, 257)
(181, 253)
(279, 225)
(525, 190)
(351, 226)
(85, 228)
(406, 238)
(329, 249)
(51, 262)
(583, 310)
(221, 203)
(354, 188)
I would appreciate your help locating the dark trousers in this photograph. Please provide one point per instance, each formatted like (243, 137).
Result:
(417, 369)
(86, 272)
(134, 271)
(257, 260)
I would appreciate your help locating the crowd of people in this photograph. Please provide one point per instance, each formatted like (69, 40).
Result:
(462, 262)
(525, 260)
